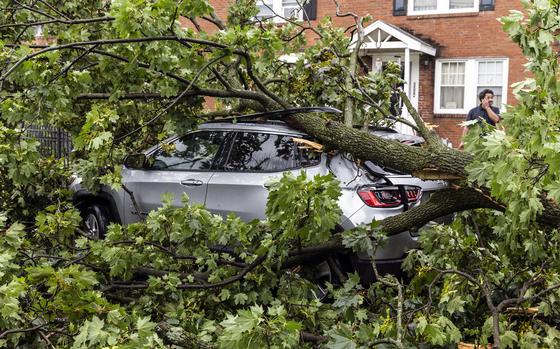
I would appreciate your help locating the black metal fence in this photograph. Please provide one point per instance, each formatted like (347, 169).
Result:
(54, 141)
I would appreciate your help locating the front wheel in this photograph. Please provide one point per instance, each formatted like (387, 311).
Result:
(96, 220)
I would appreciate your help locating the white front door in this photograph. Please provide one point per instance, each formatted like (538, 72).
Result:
(412, 83)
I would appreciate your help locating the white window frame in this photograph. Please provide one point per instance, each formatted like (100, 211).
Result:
(442, 8)
(278, 9)
(471, 83)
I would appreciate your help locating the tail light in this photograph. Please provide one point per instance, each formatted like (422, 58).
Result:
(389, 196)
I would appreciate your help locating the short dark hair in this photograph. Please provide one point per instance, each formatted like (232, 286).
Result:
(483, 93)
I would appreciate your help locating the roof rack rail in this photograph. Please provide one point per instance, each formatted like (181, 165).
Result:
(278, 113)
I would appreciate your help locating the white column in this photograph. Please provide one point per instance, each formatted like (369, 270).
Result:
(407, 69)
(407, 86)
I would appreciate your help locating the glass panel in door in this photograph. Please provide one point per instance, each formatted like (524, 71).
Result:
(240, 185)
(183, 166)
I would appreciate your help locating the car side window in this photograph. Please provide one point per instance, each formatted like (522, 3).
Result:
(194, 151)
(261, 152)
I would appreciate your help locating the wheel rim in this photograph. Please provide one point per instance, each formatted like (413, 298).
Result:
(92, 226)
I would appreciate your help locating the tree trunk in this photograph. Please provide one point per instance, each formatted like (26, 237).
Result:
(426, 163)
(440, 163)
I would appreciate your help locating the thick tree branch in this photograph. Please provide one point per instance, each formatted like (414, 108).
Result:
(214, 18)
(176, 100)
(353, 64)
(140, 286)
(54, 9)
(258, 82)
(439, 204)
(34, 10)
(110, 42)
(140, 64)
(59, 21)
(313, 338)
(241, 94)
(522, 298)
(426, 164)
(69, 66)
(432, 163)
(404, 122)
(19, 330)
(431, 138)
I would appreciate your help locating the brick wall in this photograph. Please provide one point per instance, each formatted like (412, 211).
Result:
(465, 35)
(455, 35)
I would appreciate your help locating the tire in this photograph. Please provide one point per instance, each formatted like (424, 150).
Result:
(96, 220)
(324, 272)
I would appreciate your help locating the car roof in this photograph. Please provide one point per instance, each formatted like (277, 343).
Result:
(400, 137)
(269, 122)
(266, 127)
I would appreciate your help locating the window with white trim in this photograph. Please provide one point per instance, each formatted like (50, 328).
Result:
(458, 82)
(284, 8)
(452, 85)
(490, 75)
(427, 7)
(266, 9)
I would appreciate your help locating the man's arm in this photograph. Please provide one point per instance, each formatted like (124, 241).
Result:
(495, 117)
(485, 104)
(465, 129)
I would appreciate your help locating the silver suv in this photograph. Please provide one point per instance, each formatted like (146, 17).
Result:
(226, 165)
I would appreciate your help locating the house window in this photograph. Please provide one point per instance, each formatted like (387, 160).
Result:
(426, 7)
(399, 7)
(452, 85)
(266, 9)
(290, 9)
(458, 82)
(284, 9)
(486, 5)
(490, 75)
(455, 4)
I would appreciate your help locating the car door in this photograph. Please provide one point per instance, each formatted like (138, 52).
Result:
(239, 185)
(183, 166)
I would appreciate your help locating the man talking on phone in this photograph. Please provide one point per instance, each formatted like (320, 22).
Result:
(485, 111)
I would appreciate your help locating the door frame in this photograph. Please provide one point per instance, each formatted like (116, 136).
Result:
(412, 86)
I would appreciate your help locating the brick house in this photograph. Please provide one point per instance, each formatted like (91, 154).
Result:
(448, 49)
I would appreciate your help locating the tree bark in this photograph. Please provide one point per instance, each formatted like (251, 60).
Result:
(439, 163)
(440, 204)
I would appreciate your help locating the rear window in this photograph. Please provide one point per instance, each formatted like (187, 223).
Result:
(307, 156)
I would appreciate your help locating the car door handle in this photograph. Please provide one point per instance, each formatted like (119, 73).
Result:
(192, 182)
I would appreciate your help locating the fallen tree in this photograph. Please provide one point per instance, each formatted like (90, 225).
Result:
(120, 75)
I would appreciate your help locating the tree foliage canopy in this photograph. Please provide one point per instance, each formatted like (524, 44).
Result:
(123, 74)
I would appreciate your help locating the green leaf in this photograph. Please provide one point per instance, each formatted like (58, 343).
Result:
(240, 298)
(341, 339)
(508, 339)
(144, 326)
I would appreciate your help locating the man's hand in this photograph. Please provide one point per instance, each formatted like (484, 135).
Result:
(485, 104)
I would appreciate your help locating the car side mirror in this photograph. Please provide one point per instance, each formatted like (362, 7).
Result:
(135, 161)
